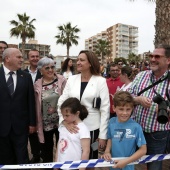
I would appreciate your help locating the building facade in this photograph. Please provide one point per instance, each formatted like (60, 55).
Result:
(122, 38)
(12, 46)
(33, 44)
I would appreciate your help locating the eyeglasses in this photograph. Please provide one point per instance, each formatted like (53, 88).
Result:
(48, 68)
(3, 48)
(155, 56)
(114, 70)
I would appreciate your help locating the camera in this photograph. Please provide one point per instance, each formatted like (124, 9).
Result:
(163, 106)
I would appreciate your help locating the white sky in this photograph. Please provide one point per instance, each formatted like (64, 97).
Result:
(91, 16)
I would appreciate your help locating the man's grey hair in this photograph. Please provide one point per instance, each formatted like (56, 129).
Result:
(8, 52)
(166, 47)
(44, 61)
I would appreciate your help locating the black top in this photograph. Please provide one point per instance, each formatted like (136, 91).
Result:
(83, 86)
(51, 82)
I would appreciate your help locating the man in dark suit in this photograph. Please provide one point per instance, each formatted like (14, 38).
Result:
(17, 109)
(33, 58)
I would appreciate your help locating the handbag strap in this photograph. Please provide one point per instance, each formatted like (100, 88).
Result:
(152, 85)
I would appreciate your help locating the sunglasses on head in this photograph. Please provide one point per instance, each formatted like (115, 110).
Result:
(155, 56)
(48, 68)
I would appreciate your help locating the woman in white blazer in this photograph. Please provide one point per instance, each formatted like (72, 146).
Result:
(86, 86)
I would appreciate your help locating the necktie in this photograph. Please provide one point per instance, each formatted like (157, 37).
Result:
(10, 83)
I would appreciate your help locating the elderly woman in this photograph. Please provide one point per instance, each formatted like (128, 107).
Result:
(47, 91)
(91, 89)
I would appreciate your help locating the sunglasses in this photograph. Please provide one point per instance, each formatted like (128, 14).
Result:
(155, 56)
(48, 68)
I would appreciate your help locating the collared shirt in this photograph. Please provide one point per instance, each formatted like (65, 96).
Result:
(14, 76)
(33, 74)
(113, 86)
(147, 117)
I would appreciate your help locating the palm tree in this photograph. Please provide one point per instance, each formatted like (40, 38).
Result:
(162, 26)
(133, 58)
(23, 28)
(67, 35)
(102, 48)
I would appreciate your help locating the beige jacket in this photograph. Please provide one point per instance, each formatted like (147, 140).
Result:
(38, 92)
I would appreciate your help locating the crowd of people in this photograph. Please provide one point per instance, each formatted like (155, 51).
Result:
(125, 113)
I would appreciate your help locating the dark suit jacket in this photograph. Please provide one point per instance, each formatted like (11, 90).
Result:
(38, 76)
(17, 112)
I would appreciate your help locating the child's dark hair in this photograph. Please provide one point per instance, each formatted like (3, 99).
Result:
(74, 105)
(121, 98)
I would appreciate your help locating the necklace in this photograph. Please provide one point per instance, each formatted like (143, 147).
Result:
(48, 81)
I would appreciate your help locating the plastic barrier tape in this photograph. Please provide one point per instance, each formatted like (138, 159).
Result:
(86, 163)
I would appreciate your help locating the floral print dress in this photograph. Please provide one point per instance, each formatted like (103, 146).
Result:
(50, 98)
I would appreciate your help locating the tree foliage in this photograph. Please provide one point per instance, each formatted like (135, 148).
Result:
(67, 35)
(133, 58)
(162, 26)
(102, 48)
(23, 28)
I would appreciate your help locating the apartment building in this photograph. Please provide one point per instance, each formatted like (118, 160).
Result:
(91, 42)
(33, 44)
(122, 38)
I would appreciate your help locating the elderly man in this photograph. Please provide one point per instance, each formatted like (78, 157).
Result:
(146, 86)
(17, 113)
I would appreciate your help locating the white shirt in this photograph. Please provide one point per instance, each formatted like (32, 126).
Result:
(125, 87)
(69, 144)
(14, 76)
(67, 75)
(33, 74)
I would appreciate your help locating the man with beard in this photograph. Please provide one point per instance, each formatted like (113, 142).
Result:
(3, 46)
(113, 84)
(146, 111)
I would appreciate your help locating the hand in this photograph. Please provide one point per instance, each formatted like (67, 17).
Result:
(72, 128)
(102, 143)
(145, 102)
(32, 129)
(120, 163)
(107, 156)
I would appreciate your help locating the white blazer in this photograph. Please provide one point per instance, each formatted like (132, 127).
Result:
(96, 87)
